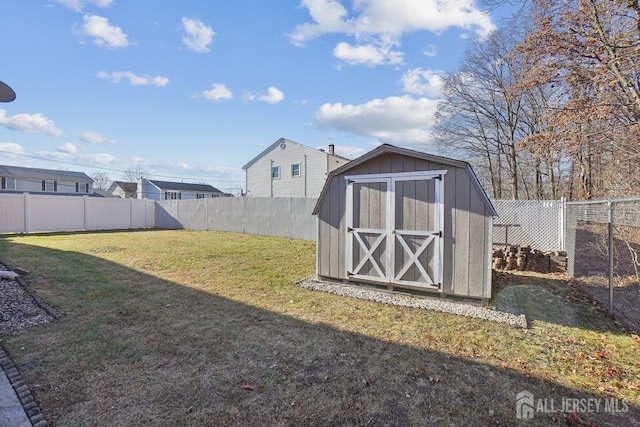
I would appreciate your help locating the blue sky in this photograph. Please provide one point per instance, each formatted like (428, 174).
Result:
(192, 90)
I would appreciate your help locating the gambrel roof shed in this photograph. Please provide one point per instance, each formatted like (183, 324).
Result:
(406, 219)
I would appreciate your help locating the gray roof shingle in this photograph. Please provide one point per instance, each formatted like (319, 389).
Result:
(128, 187)
(50, 174)
(181, 186)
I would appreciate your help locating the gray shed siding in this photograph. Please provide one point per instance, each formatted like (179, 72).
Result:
(467, 223)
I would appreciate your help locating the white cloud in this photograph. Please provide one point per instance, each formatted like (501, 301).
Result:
(68, 148)
(273, 96)
(430, 51)
(381, 24)
(134, 80)
(67, 153)
(217, 92)
(11, 149)
(94, 137)
(103, 34)
(30, 123)
(329, 16)
(398, 120)
(367, 54)
(102, 158)
(423, 82)
(78, 5)
(198, 37)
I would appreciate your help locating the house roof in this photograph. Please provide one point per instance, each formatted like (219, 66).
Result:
(386, 148)
(127, 187)
(50, 174)
(102, 193)
(287, 141)
(57, 193)
(181, 186)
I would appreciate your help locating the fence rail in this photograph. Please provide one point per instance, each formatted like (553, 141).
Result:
(30, 213)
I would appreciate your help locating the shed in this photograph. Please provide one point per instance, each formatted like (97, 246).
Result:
(406, 219)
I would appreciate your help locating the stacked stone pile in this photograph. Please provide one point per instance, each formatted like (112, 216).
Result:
(523, 258)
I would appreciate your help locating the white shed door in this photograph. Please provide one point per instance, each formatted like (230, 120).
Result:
(394, 228)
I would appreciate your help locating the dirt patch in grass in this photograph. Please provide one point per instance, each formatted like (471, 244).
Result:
(204, 328)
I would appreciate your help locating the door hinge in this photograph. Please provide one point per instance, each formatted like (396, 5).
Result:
(438, 233)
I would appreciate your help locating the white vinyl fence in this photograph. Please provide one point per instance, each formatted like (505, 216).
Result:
(31, 213)
(539, 224)
(288, 217)
(535, 223)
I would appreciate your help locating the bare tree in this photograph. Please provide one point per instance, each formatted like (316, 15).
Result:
(133, 174)
(590, 50)
(486, 115)
(100, 180)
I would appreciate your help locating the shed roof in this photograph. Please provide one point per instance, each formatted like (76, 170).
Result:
(392, 149)
(277, 143)
(35, 173)
(182, 186)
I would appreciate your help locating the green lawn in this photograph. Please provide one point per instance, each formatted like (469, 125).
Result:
(203, 328)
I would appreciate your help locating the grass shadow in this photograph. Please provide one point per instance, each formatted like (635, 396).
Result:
(137, 348)
(551, 299)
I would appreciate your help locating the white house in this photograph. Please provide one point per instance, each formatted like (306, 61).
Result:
(18, 179)
(166, 190)
(289, 169)
(124, 189)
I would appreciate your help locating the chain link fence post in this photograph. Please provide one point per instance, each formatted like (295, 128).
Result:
(602, 240)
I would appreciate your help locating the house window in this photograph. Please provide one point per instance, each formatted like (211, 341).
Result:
(200, 196)
(3, 185)
(49, 185)
(86, 188)
(295, 170)
(172, 195)
(275, 172)
(77, 187)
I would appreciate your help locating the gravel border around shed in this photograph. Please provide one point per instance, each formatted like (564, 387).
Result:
(386, 297)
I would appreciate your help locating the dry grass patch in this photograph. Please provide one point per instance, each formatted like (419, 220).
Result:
(204, 328)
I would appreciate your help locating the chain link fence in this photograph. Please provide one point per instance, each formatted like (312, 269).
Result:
(603, 247)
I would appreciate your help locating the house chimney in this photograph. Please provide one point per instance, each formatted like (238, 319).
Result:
(332, 149)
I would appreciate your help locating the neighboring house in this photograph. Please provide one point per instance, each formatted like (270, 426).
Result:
(124, 190)
(289, 169)
(18, 179)
(166, 190)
